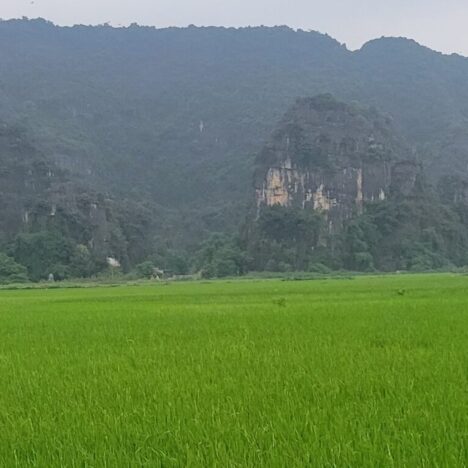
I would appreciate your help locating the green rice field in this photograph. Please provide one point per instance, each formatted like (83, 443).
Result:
(363, 372)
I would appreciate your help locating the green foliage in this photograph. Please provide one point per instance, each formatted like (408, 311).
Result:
(146, 270)
(82, 264)
(130, 124)
(220, 256)
(174, 262)
(284, 239)
(43, 253)
(363, 261)
(415, 234)
(10, 271)
(361, 237)
(160, 144)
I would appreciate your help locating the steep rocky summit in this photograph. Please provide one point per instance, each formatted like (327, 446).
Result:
(332, 158)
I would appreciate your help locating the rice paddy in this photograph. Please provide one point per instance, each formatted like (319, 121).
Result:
(370, 371)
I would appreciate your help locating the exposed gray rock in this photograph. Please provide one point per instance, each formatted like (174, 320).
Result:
(333, 157)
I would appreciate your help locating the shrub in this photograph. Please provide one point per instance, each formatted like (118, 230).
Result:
(10, 271)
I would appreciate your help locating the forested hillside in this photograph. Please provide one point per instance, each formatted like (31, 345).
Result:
(336, 187)
(169, 122)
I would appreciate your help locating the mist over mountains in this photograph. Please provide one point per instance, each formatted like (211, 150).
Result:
(160, 129)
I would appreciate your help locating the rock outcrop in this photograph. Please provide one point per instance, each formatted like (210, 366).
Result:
(38, 195)
(332, 158)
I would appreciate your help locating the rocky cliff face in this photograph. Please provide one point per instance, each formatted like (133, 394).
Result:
(332, 158)
(38, 195)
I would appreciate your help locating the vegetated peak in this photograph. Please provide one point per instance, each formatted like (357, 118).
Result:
(396, 46)
(327, 104)
(324, 101)
(391, 41)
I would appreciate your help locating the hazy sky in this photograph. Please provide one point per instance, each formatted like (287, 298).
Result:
(439, 24)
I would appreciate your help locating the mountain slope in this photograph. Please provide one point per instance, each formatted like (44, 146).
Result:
(336, 186)
(172, 119)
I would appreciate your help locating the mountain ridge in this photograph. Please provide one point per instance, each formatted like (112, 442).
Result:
(173, 119)
(151, 28)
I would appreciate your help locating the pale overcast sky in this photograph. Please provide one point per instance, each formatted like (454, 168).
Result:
(439, 24)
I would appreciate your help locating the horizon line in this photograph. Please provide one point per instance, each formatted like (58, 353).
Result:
(134, 24)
